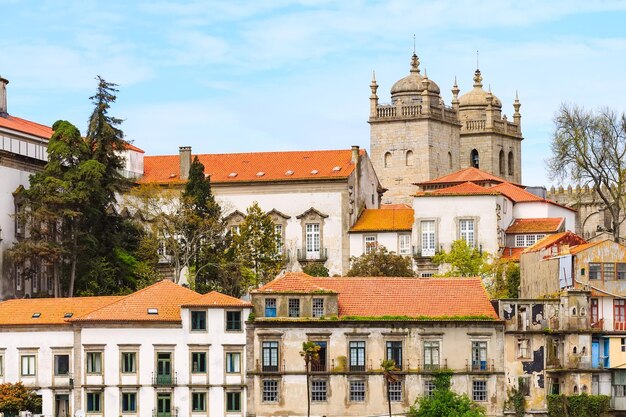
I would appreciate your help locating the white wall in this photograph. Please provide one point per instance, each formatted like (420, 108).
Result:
(542, 209)
(387, 239)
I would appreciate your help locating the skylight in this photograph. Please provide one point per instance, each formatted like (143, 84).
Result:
(260, 174)
(232, 174)
(288, 173)
(36, 315)
(314, 172)
(68, 315)
(153, 311)
(337, 168)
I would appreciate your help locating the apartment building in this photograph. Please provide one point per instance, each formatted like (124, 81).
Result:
(422, 324)
(163, 351)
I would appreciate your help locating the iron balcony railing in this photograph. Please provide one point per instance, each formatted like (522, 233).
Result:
(164, 380)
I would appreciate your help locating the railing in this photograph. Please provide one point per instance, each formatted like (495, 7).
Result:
(357, 368)
(386, 111)
(411, 110)
(480, 366)
(172, 413)
(475, 124)
(166, 380)
(318, 367)
(261, 367)
(321, 256)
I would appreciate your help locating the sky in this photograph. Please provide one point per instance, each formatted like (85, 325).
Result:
(229, 76)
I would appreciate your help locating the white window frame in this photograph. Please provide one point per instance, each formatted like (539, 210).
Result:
(278, 229)
(467, 233)
(404, 244)
(313, 243)
(429, 234)
(31, 364)
(370, 242)
(520, 241)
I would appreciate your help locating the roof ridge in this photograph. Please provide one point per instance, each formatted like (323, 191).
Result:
(256, 153)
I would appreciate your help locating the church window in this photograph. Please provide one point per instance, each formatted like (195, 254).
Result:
(387, 159)
(502, 162)
(450, 160)
(409, 158)
(511, 166)
(474, 160)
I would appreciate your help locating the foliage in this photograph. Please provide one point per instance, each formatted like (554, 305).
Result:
(16, 397)
(255, 246)
(590, 149)
(582, 405)
(505, 279)
(389, 368)
(310, 354)
(381, 263)
(516, 401)
(444, 402)
(463, 260)
(315, 269)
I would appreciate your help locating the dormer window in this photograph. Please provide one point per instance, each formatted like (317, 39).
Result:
(270, 307)
(294, 307)
(153, 311)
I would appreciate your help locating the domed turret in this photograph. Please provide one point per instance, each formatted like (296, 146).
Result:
(413, 84)
(478, 97)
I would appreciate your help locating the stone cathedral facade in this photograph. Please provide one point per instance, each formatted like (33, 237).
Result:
(417, 137)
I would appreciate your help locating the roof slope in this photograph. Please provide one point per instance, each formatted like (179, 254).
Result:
(468, 174)
(165, 296)
(407, 297)
(566, 238)
(515, 193)
(52, 310)
(511, 254)
(25, 126)
(292, 282)
(536, 225)
(217, 299)
(256, 166)
(398, 219)
(466, 188)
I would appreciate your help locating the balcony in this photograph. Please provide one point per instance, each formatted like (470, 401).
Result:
(315, 256)
(172, 413)
(357, 368)
(166, 380)
(480, 366)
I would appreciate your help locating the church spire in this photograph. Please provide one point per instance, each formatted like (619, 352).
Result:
(415, 63)
(373, 96)
(455, 95)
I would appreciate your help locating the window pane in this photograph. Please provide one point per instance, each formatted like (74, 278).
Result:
(198, 320)
(270, 390)
(233, 401)
(595, 270)
(61, 364)
(357, 391)
(233, 360)
(233, 320)
(318, 307)
(318, 390)
(198, 401)
(198, 362)
(294, 307)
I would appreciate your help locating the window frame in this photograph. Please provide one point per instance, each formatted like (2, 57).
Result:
(394, 350)
(33, 372)
(465, 231)
(319, 390)
(193, 323)
(228, 361)
(232, 395)
(56, 367)
(203, 367)
(370, 243)
(357, 395)
(313, 240)
(608, 271)
(275, 391)
(479, 349)
(396, 391)
(89, 370)
(230, 322)
(268, 308)
(194, 396)
(432, 347)
(480, 394)
(620, 271)
(619, 310)
(123, 362)
(404, 248)
(317, 311)
(293, 307)
(521, 352)
(360, 355)
(272, 347)
(594, 271)
(123, 400)
(99, 403)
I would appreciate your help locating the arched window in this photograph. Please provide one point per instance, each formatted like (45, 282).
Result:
(387, 159)
(474, 160)
(409, 158)
(450, 160)
(511, 165)
(501, 162)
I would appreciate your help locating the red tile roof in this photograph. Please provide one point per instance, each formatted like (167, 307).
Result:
(256, 166)
(464, 175)
(515, 193)
(52, 311)
(579, 248)
(385, 296)
(25, 126)
(536, 225)
(132, 147)
(383, 220)
(217, 299)
(511, 254)
(466, 188)
(564, 238)
(164, 296)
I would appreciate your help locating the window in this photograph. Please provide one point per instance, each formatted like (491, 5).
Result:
(234, 230)
(270, 356)
(395, 391)
(594, 311)
(61, 365)
(524, 385)
(621, 271)
(129, 402)
(429, 388)
(479, 356)
(555, 386)
(198, 401)
(608, 271)
(357, 356)
(511, 164)
(450, 160)
(320, 365)
(94, 402)
(270, 390)
(1, 365)
(428, 237)
(318, 390)
(623, 343)
(198, 362)
(409, 158)
(294, 307)
(479, 390)
(501, 162)
(394, 351)
(318, 307)
(466, 229)
(278, 229)
(233, 321)
(233, 402)
(520, 241)
(370, 244)
(19, 277)
(530, 240)
(523, 348)
(595, 270)
(28, 365)
(312, 240)
(474, 159)
(270, 307)
(357, 391)
(387, 159)
(198, 320)
(94, 362)
(129, 362)
(619, 310)
(431, 355)
(233, 362)
(404, 244)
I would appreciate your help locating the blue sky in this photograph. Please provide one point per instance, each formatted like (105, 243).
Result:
(279, 75)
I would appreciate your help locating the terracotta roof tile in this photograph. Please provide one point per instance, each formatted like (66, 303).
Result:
(511, 254)
(52, 310)
(466, 188)
(256, 166)
(380, 220)
(464, 175)
(567, 238)
(409, 297)
(579, 248)
(217, 299)
(164, 296)
(515, 193)
(292, 282)
(25, 126)
(536, 225)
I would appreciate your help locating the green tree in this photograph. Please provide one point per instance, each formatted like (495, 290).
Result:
(256, 245)
(590, 149)
(389, 367)
(315, 269)
(16, 397)
(311, 354)
(381, 263)
(463, 260)
(504, 279)
(444, 402)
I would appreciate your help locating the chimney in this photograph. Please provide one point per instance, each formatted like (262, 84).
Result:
(3, 96)
(355, 154)
(184, 153)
